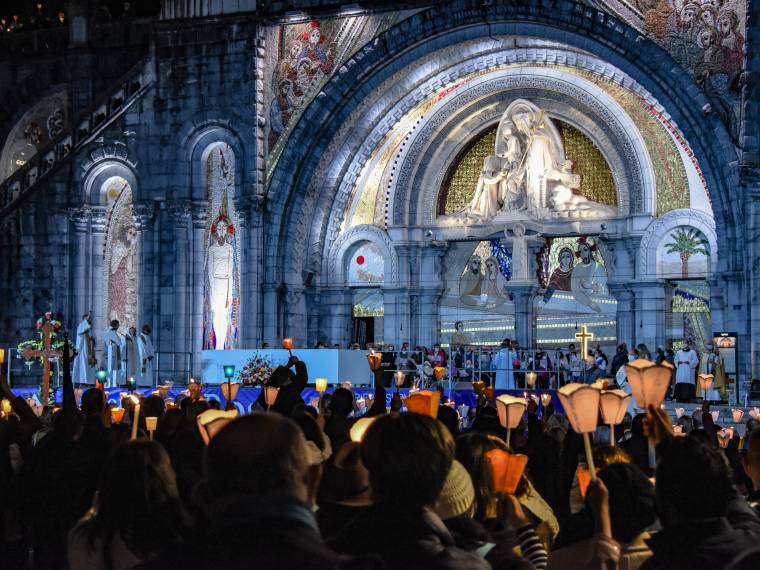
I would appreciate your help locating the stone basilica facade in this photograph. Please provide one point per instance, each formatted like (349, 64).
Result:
(232, 174)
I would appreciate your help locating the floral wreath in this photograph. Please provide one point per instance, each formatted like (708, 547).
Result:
(225, 219)
(47, 318)
(583, 240)
(307, 32)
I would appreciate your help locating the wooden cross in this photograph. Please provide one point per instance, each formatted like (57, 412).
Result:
(45, 354)
(584, 337)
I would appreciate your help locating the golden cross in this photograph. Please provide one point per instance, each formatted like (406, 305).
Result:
(45, 354)
(584, 336)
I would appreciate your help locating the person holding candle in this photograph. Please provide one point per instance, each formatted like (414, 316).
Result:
(290, 383)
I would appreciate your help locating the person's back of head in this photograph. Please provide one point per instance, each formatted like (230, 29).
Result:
(153, 406)
(259, 454)
(637, 425)
(685, 470)
(93, 402)
(605, 455)
(631, 500)
(471, 449)
(408, 457)
(449, 417)
(138, 499)
(751, 459)
(341, 403)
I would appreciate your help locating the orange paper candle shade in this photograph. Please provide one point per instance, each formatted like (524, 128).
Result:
(705, 381)
(439, 372)
(479, 386)
(581, 404)
(287, 343)
(117, 414)
(584, 478)
(489, 392)
(230, 390)
(424, 402)
(506, 469)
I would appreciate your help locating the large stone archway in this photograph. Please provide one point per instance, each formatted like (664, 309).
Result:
(310, 187)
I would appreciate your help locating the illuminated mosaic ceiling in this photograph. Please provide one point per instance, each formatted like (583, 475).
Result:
(372, 189)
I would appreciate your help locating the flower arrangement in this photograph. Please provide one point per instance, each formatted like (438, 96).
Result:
(256, 371)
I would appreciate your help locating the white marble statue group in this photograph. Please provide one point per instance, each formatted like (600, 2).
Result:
(126, 356)
(528, 176)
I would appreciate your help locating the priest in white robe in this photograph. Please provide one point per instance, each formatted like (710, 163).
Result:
(686, 365)
(147, 355)
(131, 357)
(503, 364)
(115, 345)
(85, 361)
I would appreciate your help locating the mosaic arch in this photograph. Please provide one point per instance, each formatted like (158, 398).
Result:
(707, 139)
(122, 268)
(41, 124)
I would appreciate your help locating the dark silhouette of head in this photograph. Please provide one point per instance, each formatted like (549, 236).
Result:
(686, 468)
(408, 457)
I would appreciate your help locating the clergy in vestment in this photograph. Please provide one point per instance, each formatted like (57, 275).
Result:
(84, 363)
(711, 362)
(131, 356)
(147, 355)
(686, 366)
(114, 346)
(503, 364)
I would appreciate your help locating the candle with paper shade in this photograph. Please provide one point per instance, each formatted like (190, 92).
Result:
(117, 414)
(715, 415)
(2, 355)
(530, 378)
(270, 395)
(230, 390)
(151, 422)
(439, 372)
(359, 428)
(737, 415)
(479, 386)
(649, 383)
(287, 344)
(705, 382)
(546, 399)
(754, 412)
(723, 438)
(399, 378)
(510, 410)
(614, 404)
(679, 412)
(506, 469)
(136, 416)
(678, 430)
(581, 404)
(6, 408)
(321, 385)
(424, 402)
(489, 392)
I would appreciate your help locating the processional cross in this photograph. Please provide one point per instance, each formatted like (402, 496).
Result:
(584, 337)
(45, 354)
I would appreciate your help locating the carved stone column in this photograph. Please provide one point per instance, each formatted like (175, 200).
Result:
(180, 217)
(196, 268)
(625, 313)
(80, 219)
(649, 306)
(98, 275)
(148, 259)
(523, 296)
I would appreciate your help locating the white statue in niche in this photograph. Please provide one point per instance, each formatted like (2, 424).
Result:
(529, 177)
(221, 261)
(519, 253)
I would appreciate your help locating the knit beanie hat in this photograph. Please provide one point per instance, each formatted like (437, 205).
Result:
(457, 495)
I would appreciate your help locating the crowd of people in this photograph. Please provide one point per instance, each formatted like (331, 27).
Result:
(185, 484)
